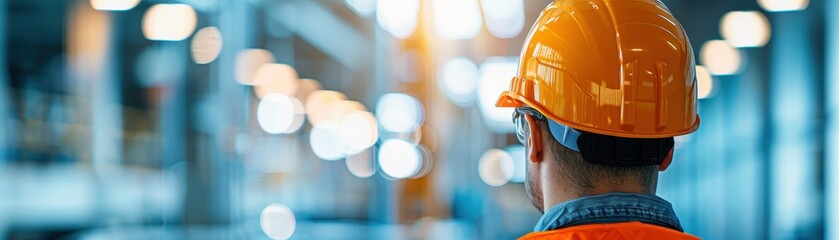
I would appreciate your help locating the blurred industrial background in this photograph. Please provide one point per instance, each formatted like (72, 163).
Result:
(365, 119)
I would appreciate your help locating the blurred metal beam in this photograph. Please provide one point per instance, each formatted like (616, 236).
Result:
(214, 178)
(6, 129)
(832, 116)
(795, 71)
(323, 29)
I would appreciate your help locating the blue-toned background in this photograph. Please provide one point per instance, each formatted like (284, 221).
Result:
(373, 119)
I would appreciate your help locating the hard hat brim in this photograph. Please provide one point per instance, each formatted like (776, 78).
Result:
(510, 99)
(506, 100)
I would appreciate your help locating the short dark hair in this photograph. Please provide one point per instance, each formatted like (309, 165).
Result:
(585, 176)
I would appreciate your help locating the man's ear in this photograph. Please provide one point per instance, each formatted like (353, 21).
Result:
(535, 140)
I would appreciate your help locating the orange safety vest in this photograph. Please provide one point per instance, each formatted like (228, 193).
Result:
(610, 231)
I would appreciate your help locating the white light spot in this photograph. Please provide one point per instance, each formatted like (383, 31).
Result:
(457, 19)
(277, 221)
(720, 58)
(249, 61)
(398, 17)
(519, 161)
(206, 45)
(361, 165)
(745, 29)
(363, 8)
(278, 113)
(783, 5)
(359, 131)
(275, 78)
(458, 79)
(169, 22)
(399, 159)
(399, 113)
(496, 167)
(113, 5)
(326, 142)
(704, 82)
(496, 73)
(504, 18)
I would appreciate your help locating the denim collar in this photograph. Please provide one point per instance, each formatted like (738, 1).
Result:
(610, 208)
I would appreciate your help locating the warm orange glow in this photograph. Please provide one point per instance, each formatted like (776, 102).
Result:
(704, 82)
(720, 58)
(206, 45)
(745, 29)
(275, 78)
(318, 101)
(248, 62)
(169, 22)
(336, 111)
(306, 87)
(88, 36)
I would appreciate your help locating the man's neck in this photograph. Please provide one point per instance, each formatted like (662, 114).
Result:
(556, 193)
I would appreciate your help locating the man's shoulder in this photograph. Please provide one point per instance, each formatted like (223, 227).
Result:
(625, 230)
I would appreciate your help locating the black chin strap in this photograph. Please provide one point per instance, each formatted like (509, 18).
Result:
(624, 152)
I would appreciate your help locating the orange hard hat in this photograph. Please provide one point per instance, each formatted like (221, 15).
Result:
(622, 68)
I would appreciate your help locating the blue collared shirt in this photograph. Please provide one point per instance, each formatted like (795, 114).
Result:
(610, 208)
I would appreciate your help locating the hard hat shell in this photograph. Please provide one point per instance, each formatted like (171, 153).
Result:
(621, 68)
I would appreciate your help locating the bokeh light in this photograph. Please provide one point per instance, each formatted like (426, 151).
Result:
(398, 17)
(361, 164)
(169, 22)
(399, 159)
(496, 73)
(456, 19)
(277, 221)
(504, 18)
(336, 111)
(704, 82)
(426, 161)
(399, 113)
(412, 137)
(306, 87)
(783, 5)
(275, 78)
(519, 162)
(206, 45)
(212, 128)
(363, 8)
(359, 131)
(326, 141)
(496, 167)
(429, 137)
(745, 29)
(248, 62)
(720, 58)
(113, 5)
(277, 113)
(317, 104)
(458, 80)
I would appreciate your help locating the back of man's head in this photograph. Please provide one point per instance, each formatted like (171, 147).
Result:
(588, 178)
